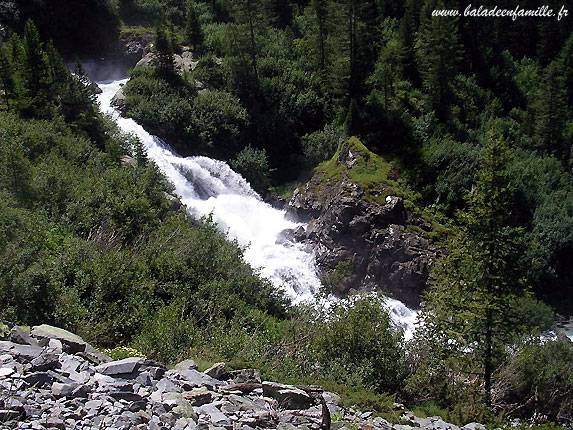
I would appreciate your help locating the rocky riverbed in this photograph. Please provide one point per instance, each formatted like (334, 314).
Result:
(52, 379)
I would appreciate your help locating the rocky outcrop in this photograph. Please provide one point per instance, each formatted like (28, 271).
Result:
(184, 62)
(49, 384)
(363, 238)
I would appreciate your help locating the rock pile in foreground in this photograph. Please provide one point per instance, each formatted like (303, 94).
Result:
(52, 379)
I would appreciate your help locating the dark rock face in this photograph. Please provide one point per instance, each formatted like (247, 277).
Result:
(361, 244)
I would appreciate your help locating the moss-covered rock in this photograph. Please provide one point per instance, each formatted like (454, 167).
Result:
(365, 228)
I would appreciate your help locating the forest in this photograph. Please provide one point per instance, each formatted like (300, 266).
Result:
(475, 113)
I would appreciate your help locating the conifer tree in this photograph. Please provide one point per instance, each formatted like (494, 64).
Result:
(34, 60)
(193, 31)
(164, 61)
(552, 112)
(320, 12)
(6, 76)
(437, 55)
(472, 287)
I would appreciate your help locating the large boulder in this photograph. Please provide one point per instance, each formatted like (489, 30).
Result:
(288, 397)
(361, 232)
(71, 343)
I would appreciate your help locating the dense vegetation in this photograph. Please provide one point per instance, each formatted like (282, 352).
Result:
(480, 124)
(294, 78)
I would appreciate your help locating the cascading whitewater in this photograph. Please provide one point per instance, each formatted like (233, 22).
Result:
(208, 186)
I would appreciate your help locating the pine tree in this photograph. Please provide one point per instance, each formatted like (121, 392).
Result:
(437, 55)
(6, 76)
(164, 61)
(552, 112)
(320, 12)
(35, 75)
(193, 31)
(465, 316)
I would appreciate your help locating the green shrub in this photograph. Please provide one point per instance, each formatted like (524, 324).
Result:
(321, 145)
(252, 164)
(356, 344)
(538, 378)
(121, 352)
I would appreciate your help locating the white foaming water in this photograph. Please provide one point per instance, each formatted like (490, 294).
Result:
(208, 186)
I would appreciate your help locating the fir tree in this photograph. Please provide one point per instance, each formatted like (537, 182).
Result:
(437, 55)
(6, 76)
(465, 316)
(164, 61)
(193, 31)
(34, 60)
(552, 113)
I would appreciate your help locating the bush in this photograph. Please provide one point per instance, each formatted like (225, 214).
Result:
(537, 380)
(252, 164)
(321, 145)
(357, 345)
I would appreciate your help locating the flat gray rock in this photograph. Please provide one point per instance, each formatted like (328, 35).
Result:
(186, 365)
(72, 343)
(288, 397)
(217, 371)
(127, 365)
(198, 379)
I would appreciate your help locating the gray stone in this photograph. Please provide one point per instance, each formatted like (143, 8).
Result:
(144, 378)
(6, 371)
(185, 365)
(127, 396)
(198, 396)
(119, 99)
(46, 361)
(94, 356)
(287, 396)
(166, 386)
(71, 343)
(53, 423)
(216, 417)
(38, 379)
(127, 365)
(474, 426)
(55, 346)
(26, 352)
(94, 404)
(193, 378)
(21, 335)
(246, 376)
(69, 390)
(79, 377)
(217, 371)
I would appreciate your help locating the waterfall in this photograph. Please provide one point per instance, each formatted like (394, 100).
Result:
(208, 186)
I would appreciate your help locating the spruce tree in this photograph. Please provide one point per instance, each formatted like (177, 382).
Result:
(320, 12)
(465, 317)
(551, 108)
(437, 55)
(164, 61)
(34, 61)
(6, 76)
(193, 31)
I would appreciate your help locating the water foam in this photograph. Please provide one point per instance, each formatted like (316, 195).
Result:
(208, 186)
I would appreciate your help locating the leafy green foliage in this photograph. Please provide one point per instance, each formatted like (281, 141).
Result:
(538, 378)
(359, 346)
(252, 164)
